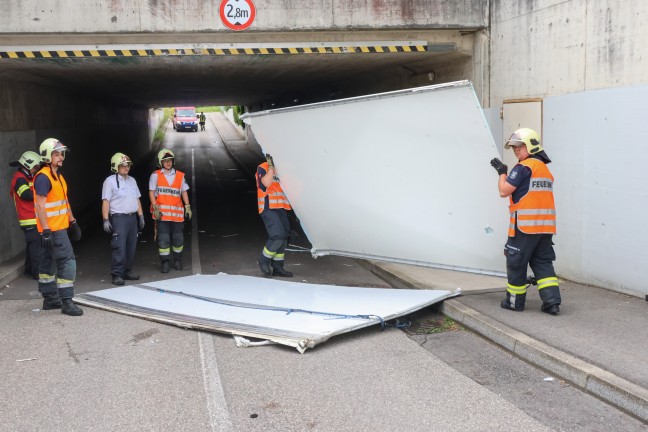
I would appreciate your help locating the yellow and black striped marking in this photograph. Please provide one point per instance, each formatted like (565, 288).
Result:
(45, 54)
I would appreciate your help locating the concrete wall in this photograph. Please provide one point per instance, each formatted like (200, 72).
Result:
(93, 132)
(588, 61)
(552, 47)
(134, 16)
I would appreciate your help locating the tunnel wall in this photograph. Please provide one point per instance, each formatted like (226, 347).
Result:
(134, 16)
(94, 132)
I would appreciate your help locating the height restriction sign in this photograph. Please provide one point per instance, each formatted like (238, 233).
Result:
(237, 14)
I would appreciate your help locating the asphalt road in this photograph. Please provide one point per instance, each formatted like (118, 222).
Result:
(106, 371)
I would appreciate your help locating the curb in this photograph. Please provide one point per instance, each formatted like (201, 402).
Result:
(11, 270)
(601, 383)
(607, 386)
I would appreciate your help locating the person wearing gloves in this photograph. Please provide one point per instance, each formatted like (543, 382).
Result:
(122, 214)
(169, 207)
(273, 207)
(21, 191)
(57, 267)
(532, 224)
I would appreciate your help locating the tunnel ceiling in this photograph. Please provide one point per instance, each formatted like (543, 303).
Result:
(243, 79)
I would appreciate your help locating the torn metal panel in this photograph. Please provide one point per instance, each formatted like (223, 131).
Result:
(294, 314)
(401, 176)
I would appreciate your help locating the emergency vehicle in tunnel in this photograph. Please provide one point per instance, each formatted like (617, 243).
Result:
(185, 118)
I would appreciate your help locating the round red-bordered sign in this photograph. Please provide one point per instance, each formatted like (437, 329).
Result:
(237, 14)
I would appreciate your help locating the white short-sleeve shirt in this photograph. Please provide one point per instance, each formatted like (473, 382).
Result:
(123, 198)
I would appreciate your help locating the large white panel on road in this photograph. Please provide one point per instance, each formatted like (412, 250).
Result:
(295, 314)
(401, 176)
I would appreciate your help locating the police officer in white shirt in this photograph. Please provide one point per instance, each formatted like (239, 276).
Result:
(122, 217)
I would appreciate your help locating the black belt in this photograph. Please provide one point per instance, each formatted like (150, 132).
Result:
(123, 214)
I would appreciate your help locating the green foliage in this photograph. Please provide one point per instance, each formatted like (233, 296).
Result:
(209, 109)
(159, 132)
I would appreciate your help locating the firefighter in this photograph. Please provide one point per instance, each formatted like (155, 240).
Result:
(273, 206)
(169, 206)
(529, 187)
(23, 195)
(122, 214)
(202, 119)
(57, 269)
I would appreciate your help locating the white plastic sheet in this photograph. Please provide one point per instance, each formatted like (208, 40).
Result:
(294, 314)
(401, 176)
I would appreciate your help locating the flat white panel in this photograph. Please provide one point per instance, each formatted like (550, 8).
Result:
(401, 176)
(599, 160)
(291, 313)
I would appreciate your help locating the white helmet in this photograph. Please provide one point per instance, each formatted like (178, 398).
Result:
(117, 160)
(28, 160)
(48, 146)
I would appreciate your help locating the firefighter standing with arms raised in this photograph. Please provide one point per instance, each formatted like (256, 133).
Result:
(57, 269)
(23, 196)
(169, 206)
(122, 214)
(529, 187)
(273, 206)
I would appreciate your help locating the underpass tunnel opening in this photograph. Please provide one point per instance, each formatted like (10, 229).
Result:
(100, 105)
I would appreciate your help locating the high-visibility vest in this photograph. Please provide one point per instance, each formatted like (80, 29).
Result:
(535, 212)
(276, 197)
(24, 208)
(56, 203)
(169, 197)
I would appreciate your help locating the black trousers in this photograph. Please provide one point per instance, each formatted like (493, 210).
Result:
(123, 243)
(170, 237)
(533, 250)
(57, 267)
(32, 251)
(278, 227)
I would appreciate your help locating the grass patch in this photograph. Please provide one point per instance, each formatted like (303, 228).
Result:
(434, 326)
(210, 109)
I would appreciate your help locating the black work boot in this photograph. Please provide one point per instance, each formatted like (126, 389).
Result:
(69, 308)
(514, 302)
(51, 301)
(278, 269)
(131, 276)
(550, 297)
(165, 266)
(265, 268)
(117, 280)
(177, 261)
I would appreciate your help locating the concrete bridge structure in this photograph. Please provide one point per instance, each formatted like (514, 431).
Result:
(92, 73)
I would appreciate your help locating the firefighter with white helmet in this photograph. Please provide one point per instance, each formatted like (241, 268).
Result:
(57, 268)
(529, 187)
(123, 217)
(21, 191)
(169, 207)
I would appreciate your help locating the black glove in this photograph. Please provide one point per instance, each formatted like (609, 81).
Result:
(140, 223)
(46, 239)
(75, 231)
(107, 226)
(499, 166)
(270, 160)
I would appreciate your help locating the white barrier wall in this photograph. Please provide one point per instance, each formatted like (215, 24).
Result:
(598, 145)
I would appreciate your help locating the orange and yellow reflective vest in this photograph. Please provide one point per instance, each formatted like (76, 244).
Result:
(169, 197)
(276, 197)
(24, 208)
(56, 204)
(535, 212)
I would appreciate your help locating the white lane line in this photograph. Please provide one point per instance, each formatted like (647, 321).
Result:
(216, 404)
(195, 255)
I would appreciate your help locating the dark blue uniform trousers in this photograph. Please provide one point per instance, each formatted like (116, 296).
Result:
(123, 243)
(32, 252)
(57, 268)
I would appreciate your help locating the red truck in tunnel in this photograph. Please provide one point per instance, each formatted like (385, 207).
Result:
(184, 118)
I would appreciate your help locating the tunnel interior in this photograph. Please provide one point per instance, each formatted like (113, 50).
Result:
(100, 104)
